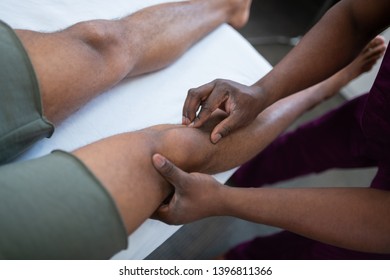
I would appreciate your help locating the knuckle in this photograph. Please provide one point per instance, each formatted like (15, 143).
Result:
(223, 83)
(169, 169)
(226, 130)
(218, 81)
(226, 88)
(192, 93)
(206, 108)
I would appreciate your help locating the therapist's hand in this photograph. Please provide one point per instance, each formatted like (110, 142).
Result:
(241, 103)
(196, 195)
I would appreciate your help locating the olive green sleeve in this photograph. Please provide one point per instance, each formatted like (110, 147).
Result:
(54, 208)
(21, 118)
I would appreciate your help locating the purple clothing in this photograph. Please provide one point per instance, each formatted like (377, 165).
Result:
(355, 135)
(286, 245)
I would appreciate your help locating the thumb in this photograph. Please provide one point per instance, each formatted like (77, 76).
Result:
(168, 170)
(162, 214)
(224, 128)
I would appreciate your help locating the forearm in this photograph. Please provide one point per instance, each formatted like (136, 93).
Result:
(247, 142)
(123, 162)
(192, 150)
(353, 218)
(329, 46)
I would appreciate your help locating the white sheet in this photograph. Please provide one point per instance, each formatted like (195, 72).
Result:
(140, 102)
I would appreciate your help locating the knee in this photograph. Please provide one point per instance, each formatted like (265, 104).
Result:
(190, 149)
(104, 37)
(98, 34)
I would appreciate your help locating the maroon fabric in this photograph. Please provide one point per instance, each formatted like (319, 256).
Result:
(334, 140)
(355, 135)
(285, 245)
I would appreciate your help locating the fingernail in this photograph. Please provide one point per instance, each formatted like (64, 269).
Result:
(186, 120)
(193, 123)
(216, 138)
(159, 161)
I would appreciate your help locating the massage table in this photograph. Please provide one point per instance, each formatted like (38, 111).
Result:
(139, 102)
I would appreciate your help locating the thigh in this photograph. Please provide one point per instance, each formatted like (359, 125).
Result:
(75, 64)
(21, 119)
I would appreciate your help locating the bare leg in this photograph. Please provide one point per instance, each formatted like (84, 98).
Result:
(363, 63)
(337, 216)
(123, 163)
(76, 64)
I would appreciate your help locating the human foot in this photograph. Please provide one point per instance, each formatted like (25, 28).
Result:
(241, 12)
(365, 60)
(361, 64)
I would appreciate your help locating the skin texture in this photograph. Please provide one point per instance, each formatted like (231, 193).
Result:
(131, 188)
(80, 62)
(352, 218)
(332, 43)
(338, 216)
(90, 57)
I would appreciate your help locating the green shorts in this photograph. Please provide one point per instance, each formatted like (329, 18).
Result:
(52, 207)
(21, 119)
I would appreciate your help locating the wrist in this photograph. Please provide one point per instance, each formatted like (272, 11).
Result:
(226, 201)
(262, 97)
